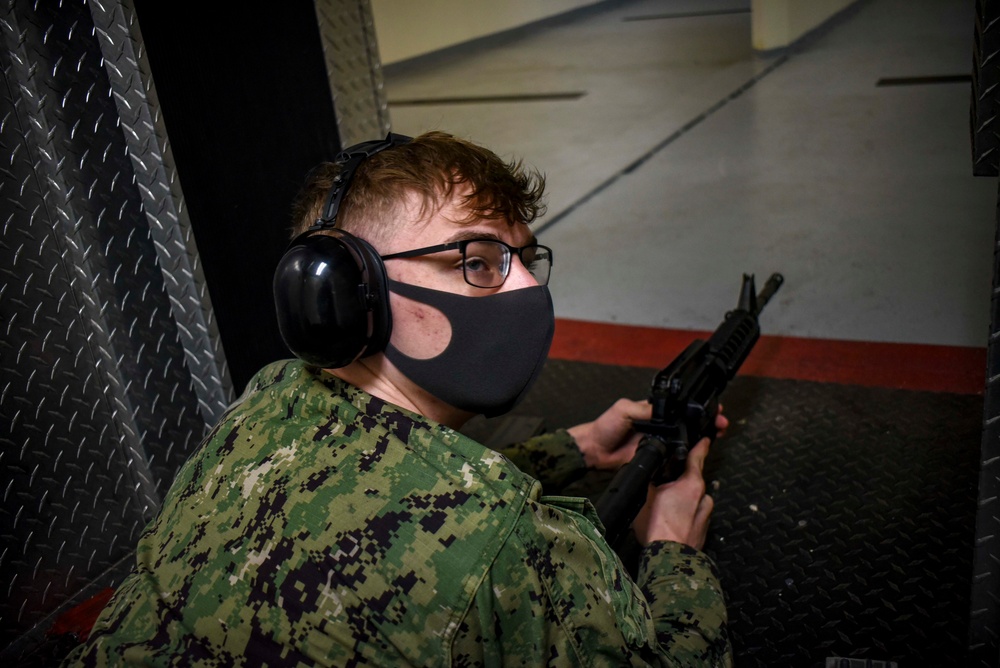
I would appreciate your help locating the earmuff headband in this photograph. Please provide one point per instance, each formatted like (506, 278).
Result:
(350, 159)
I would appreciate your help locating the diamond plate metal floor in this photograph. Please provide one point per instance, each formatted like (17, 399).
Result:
(844, 515)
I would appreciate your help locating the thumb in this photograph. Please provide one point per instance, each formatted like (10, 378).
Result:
(696, 459)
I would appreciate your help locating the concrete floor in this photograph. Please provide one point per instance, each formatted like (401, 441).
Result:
(688, 160)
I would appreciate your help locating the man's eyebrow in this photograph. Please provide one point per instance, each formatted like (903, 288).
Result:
(468, 235)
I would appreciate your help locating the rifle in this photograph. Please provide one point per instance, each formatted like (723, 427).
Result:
(685, 400)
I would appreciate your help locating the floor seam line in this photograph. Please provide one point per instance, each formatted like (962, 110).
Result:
(674, 136)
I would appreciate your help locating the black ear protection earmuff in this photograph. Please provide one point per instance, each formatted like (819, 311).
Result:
(330, 289)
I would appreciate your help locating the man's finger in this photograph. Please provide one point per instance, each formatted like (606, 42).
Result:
(696, 458)
(634, 410)
(700, 524)
(705, 508)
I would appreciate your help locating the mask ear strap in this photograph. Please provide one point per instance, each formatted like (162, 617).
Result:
(350, 159)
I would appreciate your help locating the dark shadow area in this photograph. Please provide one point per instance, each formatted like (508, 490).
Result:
(247, 105)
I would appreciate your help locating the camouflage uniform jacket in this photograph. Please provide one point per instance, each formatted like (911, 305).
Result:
(319, 525)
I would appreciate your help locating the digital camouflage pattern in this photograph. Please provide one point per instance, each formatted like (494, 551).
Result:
(319, 525)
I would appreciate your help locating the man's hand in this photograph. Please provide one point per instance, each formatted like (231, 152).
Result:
(609, 441)
(678, 511)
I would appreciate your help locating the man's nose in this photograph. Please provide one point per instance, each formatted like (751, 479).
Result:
(518, 276)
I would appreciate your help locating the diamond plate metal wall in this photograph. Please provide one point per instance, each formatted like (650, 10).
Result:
(347, 28)
(163, 203)
(110, 368)
(984, 634)
(985, 79)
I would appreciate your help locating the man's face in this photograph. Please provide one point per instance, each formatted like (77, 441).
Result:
(421, 331)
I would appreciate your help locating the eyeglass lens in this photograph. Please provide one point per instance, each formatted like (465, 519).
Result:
(487, 263)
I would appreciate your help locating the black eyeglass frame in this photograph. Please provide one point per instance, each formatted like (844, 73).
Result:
(463, 244)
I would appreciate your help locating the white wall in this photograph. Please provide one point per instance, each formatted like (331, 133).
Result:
(408, 28)
(778, 23)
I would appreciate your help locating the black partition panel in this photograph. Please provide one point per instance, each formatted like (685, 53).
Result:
(246, 101)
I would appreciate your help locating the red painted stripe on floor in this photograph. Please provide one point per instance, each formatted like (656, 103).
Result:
(960, 370)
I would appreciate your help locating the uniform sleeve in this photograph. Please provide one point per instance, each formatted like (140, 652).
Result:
(686, 600)
(557, 595)
(553, 459)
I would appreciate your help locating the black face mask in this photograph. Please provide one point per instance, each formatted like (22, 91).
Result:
(498, 346)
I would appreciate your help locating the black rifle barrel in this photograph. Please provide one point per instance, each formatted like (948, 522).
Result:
(770, 287)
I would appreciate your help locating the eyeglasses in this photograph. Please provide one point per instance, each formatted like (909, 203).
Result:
(486, 262)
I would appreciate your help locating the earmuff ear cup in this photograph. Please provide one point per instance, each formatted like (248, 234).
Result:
(331, 299)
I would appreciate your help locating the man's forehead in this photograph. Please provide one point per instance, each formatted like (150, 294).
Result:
(453, 219)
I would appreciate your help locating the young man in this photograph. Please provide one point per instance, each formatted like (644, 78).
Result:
(336, 517)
